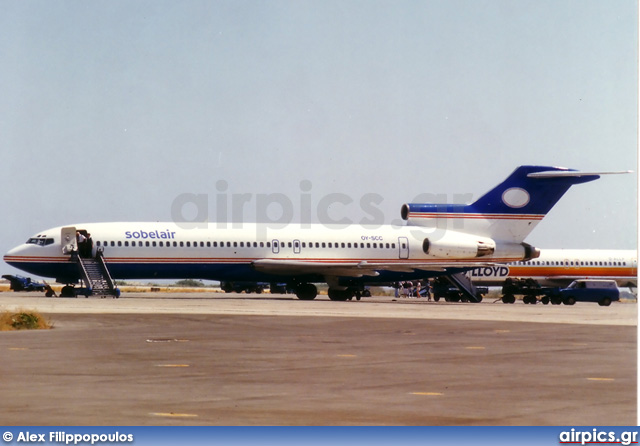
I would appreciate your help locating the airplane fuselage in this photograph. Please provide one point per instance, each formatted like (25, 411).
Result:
(557, 267)
(168, 251)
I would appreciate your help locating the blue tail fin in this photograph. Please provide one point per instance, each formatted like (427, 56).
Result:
(509, 211)
(529, 190)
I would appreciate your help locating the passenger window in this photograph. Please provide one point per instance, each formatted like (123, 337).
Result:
(113, 243)
(119, 243)
(153, 244)
(146, 244)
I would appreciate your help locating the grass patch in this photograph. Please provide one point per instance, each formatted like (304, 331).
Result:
(23, 320)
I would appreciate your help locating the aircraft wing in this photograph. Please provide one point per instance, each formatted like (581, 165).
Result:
(350, 269)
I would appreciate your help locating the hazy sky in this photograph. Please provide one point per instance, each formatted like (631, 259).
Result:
(111, 110)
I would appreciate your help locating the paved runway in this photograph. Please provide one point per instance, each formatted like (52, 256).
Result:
(212, 359)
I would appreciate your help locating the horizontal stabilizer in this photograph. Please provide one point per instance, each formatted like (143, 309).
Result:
(572, 173)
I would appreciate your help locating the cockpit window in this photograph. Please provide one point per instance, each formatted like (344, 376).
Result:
(40, 241)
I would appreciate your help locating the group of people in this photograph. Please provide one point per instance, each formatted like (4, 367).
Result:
(85, 244)
(413, 289)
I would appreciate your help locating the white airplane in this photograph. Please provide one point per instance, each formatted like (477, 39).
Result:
(438, 239)
(560, 267)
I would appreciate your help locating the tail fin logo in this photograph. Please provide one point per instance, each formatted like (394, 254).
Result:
(516, 197)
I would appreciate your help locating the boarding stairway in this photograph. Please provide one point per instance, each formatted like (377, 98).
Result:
(95, 275)
(466, 286)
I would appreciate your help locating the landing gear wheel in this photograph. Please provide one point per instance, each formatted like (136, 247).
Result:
(306, 291)
(68, 291)
(340, 295)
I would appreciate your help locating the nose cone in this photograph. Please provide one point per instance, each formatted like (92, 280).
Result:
(14, 255)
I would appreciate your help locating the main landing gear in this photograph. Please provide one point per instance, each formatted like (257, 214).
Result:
(306, 291)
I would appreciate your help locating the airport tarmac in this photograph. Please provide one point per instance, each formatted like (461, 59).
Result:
(230, 359)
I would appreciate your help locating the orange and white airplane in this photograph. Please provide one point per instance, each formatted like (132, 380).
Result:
(559, 267)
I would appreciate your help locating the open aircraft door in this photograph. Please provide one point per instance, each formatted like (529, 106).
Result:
(68, 240)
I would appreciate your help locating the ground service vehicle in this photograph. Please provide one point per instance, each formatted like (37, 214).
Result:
(20, 283)
(586, 290)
